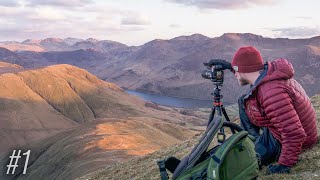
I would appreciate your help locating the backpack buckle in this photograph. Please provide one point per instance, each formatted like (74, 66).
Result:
(221, 137)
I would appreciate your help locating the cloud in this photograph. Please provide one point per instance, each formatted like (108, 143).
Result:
(18, 33)
(304, 17)
(41, 22)
(7, 13)
(135, 19)
(50, 19)
(9, 3)
(61, 3)
(223, 4)
(22, 15)
(174, 26)
(297, 32)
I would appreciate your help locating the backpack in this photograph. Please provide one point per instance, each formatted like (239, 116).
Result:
(233, 158)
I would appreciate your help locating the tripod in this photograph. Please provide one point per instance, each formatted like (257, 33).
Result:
(219, 108)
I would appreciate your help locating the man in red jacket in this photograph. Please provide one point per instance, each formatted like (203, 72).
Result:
(276, 110)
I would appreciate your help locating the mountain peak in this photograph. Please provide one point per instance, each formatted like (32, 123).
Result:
(238, 36)
(235, 36)
(71, 41)
(92, 40)
(52, 40)
(192, 37)
(31, 41)
(9, 42)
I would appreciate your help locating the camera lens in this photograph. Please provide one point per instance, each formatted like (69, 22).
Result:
(207, 74)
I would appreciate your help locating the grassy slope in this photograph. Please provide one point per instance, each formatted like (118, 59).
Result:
(145, 167)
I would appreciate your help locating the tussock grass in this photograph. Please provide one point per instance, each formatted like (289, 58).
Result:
(146, 168)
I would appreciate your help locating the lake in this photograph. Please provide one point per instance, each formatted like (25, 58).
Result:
(172, 101)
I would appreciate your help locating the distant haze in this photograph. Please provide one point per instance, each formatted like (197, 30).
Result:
(137, 22)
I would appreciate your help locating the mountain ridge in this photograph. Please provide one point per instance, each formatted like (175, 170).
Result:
(197, 36)
(172, 67)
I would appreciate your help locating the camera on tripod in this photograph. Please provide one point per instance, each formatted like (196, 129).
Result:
(214, 73)
(214, 70)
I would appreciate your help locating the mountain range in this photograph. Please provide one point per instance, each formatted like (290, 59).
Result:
(169, 67)
(57, 44)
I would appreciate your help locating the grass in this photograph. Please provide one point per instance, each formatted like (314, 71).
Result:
(145, 167)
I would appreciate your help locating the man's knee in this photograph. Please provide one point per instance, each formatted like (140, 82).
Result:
(267, 147)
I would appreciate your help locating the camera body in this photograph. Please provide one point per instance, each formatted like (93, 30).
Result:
(214, 73)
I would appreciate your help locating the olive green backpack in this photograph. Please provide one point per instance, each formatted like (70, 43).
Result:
(233, 158)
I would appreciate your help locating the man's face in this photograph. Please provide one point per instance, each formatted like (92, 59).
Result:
(241, 79)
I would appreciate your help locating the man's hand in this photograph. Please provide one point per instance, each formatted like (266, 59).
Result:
(278, 169)
(225, 64)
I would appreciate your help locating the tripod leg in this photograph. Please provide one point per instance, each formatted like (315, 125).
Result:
(219, 110)
(227, 117)
(211, 116)
(225, 113)
(221, 134)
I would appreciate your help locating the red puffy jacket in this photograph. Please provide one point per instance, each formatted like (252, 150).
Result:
(281, 104)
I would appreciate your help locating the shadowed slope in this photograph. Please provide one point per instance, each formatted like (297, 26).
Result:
(8, 67)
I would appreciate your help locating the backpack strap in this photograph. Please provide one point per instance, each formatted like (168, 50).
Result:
(162, 169)
(189, 161)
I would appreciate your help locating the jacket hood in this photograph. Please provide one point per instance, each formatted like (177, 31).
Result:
(278, 69)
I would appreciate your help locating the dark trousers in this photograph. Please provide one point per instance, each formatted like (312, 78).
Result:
(267, 147)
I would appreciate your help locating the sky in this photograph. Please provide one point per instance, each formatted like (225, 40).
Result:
(135, 22)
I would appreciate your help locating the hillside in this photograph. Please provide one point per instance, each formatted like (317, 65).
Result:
(75, 123)
(36, 103)
(307, 167)
(8, 67)
(9, 56)
(84, 149)
(172, 67)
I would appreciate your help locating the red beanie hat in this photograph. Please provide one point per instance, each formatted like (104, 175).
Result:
(247, 59)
